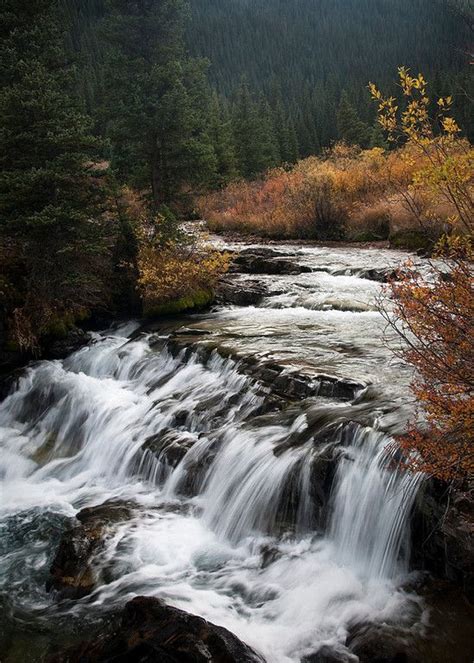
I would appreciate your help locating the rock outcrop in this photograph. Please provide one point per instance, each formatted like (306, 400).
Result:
(149, 631)
(443, 533)
(293, 385)
(72, 573)
(238, 291)
(266, 261)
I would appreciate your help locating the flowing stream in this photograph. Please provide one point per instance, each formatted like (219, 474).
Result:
(287, 527)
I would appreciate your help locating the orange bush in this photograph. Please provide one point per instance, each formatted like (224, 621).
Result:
(434, 314)
(176, 273)
(435, 317)
(349, 183)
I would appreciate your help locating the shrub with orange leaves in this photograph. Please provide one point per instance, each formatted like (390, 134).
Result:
(434, 313)
(176, 270)
(344, 189)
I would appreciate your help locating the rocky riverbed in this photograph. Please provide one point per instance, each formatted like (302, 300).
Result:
(222, 486)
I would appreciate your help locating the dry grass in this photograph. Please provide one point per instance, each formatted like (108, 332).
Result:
(361, 194)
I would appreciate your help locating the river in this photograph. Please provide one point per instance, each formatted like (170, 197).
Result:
(287, 525)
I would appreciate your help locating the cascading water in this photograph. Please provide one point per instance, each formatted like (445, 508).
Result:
(228, 528)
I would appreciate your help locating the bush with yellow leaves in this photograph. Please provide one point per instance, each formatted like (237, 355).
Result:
(418, 188)
(434, 314)
(177, 271)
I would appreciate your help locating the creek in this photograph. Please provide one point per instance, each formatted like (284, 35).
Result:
(287, 524)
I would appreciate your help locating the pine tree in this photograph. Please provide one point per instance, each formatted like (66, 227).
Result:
(220, 132)
(293, 147)
(350, 127)
(377, 138)
(158, 100)
(269, 147)
(255, 137)
(284, 129)
(49, 197)
(246, 132)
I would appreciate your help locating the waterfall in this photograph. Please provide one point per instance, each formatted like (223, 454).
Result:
(246, 551)
(372, 502)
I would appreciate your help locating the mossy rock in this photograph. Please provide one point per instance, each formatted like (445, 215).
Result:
(60, 326)
(412, 240)
(192, 302)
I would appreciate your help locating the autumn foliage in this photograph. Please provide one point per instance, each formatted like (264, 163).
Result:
(176, 270)
(434, 312)
(345, 193)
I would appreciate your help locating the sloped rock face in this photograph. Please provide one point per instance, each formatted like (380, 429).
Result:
(72, 574)
(443, 533)
(169, 446)
(239, 291)
(266, 261)
(149, 631)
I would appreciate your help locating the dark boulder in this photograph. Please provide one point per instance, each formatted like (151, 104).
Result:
(149, 631)
(262, 251)
(72, 572)
(262, 262)
(443, 533)
(240, 292)
(60, 348)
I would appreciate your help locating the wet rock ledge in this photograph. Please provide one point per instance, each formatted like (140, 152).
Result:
(149, 631)
(282, 381)
(266, 261)
(443, 533)
(72, 574)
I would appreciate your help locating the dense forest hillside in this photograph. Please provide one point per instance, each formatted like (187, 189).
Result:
(291, 76)
(311, 51)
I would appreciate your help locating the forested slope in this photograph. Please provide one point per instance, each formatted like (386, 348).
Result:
(313, 49)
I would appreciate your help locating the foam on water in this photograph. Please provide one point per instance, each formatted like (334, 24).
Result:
(72, 435)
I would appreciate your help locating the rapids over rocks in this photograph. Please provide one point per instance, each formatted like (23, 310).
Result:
(283, 519)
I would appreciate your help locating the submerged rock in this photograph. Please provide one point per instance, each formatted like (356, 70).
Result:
(149, 631)
(170, 446)
(72, 574)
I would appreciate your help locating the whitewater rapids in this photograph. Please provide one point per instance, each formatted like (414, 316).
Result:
(72, 434)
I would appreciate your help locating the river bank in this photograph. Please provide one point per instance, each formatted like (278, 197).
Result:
(243, 448)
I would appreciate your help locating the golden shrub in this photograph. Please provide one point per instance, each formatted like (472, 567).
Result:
(359, 189)
(176, 275)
